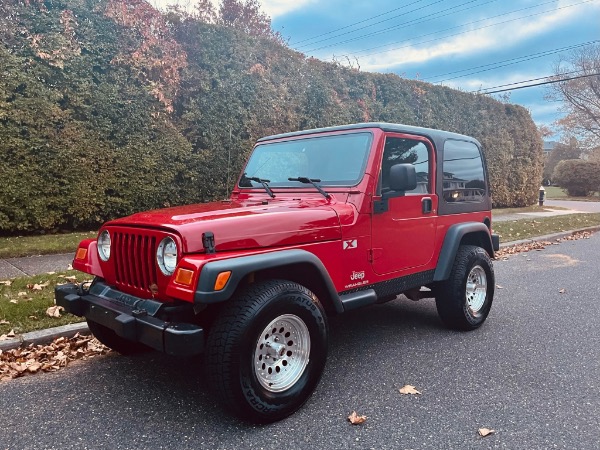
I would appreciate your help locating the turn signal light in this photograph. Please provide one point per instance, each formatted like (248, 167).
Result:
(222, 280)
(81, 253)
(184, 276)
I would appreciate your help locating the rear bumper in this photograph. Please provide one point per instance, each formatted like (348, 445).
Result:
(131, 318)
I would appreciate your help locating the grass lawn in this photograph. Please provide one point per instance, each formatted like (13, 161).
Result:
(46, 244)
(514, 230)
(556, 193)
(23, 305)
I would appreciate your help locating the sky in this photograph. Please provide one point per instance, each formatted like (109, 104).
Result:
(465, 44)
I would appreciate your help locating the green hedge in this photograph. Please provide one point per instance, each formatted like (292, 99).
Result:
(577, 177)
(87, 135)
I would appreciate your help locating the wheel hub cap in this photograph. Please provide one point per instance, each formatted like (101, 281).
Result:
(476, 289)
(282, 353)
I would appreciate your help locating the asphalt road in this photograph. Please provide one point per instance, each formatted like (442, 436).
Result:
(532, 373)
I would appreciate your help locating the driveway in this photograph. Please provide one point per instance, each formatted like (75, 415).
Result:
(592, 207)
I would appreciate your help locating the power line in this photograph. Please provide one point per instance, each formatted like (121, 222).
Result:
(475, 29)
(516, 60)
(356, 23)
(376, 23)
(525, 81)
(541, 84)
(448, 29)
(499, 65)
(419, 20)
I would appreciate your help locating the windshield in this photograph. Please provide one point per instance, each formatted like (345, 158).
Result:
(334, 160)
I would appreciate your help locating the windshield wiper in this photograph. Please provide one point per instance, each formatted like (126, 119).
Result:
(314, 182)
(264, 184)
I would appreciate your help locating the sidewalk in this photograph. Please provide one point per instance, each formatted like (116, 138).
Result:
(34, 265)
(572, 207)
(535, 215)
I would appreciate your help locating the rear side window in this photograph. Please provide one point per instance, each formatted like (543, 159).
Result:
(464, 180)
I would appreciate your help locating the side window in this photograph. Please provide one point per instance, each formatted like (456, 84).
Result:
(463, 172)
(406, 151)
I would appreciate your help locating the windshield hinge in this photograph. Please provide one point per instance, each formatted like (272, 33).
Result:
(208, 242)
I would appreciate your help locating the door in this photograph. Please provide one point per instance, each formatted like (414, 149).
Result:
(403, 234)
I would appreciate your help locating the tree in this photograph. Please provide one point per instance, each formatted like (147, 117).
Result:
(246, 15)
(580, 95)
(560, 153)
(577, 177)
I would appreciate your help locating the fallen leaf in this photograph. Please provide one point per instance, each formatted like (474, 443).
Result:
(22, 294)
(14, 301)
(499, 287)
(33, 317)
(11, 334)
(37, 287)
(562, 291)
(50, 273)
(4, 322)
(54, 311)
(34, 367)
(355, 419)
(6, 283)
(70, 267)
(483, 432)
(409, 390)
(71, 278)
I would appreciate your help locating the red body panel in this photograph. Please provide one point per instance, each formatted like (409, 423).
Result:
(357, 246)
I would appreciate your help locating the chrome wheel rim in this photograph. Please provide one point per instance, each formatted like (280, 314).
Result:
(476, 289)
(282, 353)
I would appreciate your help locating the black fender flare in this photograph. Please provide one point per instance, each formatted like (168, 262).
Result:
(241, 266)
(454, 236)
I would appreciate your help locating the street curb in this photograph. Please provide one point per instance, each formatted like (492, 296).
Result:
(549, 237)
(49, 334)
(44, 336)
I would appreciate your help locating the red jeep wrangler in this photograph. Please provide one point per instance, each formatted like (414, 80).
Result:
(320, 222)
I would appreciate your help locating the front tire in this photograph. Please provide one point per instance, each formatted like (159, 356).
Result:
(267, 349)
(465, 299)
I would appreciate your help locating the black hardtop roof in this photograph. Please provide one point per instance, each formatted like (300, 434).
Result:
(391, 127)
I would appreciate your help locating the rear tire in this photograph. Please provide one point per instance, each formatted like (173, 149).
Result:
(267, 349)
(464, 300)
(115, 342)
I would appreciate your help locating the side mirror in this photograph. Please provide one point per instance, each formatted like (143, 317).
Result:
(403, 177)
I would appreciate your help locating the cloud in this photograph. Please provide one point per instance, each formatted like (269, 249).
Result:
(273, 8)
(505, 35)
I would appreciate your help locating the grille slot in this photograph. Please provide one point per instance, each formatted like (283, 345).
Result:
(134, 260)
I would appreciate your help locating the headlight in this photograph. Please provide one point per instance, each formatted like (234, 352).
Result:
(166, 256)
(104, 245)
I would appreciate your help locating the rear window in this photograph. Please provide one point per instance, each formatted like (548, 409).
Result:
(464, 179)
(337, 160)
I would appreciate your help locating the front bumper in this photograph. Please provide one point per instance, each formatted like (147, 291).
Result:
(131, 318)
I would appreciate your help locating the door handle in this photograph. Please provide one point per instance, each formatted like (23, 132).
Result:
(426, 205)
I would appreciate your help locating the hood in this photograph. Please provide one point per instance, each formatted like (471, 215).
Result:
(244, 225)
